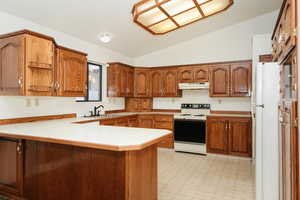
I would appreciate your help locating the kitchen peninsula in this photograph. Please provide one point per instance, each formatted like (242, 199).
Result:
(60, 159)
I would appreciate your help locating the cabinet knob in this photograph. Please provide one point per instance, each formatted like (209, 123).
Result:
(20, 82)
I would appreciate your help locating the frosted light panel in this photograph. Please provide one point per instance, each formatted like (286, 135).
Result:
(202, 1)
(214, 6)
(146, 5)
(188, 17)
(174, 7)
(163, 26)
(152, 16)
(162, 16)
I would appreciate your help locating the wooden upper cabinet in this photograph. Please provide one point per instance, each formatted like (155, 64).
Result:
(39, 66)
(71, 73)
(193, 74)
(201, 74)
(29, 67)
(170, 84)
(219, 81)
(130, 82)
(11, 162)
(165, 83)
(217, 136)
(285, 33)
(157, 83)
(12, 61)
(240, 137)
(126, 81)
(241, 81)
(142, 83)
(233, 80)
(186, 75)
(113, 81)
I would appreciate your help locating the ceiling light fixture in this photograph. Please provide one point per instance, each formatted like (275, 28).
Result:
(162, 16)
(105, 37)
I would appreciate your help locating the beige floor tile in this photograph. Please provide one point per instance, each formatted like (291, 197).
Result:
(193, 177)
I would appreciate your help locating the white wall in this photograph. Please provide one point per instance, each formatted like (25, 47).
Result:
(231, 43)
(18, 106)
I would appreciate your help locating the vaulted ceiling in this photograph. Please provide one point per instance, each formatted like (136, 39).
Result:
(85, 19)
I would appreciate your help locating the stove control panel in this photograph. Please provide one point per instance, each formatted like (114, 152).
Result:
(195, 106)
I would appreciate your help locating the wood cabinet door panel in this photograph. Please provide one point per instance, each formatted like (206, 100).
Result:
(241, 80)
(11, 162)
(240, 137)
(130, 83)
(133, 122)
(201, 74)
(145, 104)
(186, 75)
(217, 136)
(170, 83)
(219, 81)
(288, 35)
(163, 125)
(113, 84)
(157, 83)
(12, 63)
(108, 122)
(123, 81)
(142, 83)
(72, 74)
(145, 121)
(167, 143)
(39, 66)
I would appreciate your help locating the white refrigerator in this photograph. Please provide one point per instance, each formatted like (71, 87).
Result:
(265, 114)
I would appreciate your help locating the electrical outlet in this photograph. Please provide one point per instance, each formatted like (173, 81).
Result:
(36, 102)
(28, 103)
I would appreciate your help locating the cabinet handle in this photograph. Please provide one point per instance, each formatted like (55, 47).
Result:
(19, 147)
(20, 82)
(57, 85)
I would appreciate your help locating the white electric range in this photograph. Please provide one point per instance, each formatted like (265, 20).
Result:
(190, 128)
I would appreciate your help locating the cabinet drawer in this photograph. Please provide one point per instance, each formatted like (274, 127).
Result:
(163, 118)
(167, 143)
(163, 125)
(133, 122)
(122, 122)
(108, 123)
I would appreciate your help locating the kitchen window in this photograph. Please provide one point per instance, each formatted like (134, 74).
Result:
(94, 91)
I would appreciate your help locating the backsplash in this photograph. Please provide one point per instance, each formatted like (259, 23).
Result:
(13, 107)
(202, 96)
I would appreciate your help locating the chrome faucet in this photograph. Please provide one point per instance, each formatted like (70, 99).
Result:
(97, 110)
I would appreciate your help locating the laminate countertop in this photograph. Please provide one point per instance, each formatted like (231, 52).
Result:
(92, 135)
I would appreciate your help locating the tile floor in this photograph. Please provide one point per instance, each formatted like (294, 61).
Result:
(193, 177)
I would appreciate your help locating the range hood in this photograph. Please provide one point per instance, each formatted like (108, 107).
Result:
(193, 86)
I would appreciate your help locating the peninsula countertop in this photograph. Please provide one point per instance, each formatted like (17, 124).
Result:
(91, 135)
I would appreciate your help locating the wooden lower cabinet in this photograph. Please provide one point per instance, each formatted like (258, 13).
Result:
(145, 121)
(11, 165)
(229, 135)
(156, 121)
(217, 136)
(240, 137)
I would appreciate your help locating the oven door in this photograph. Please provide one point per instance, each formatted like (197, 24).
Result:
(188, 130)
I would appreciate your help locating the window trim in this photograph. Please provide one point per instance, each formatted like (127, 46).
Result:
(101, 83)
